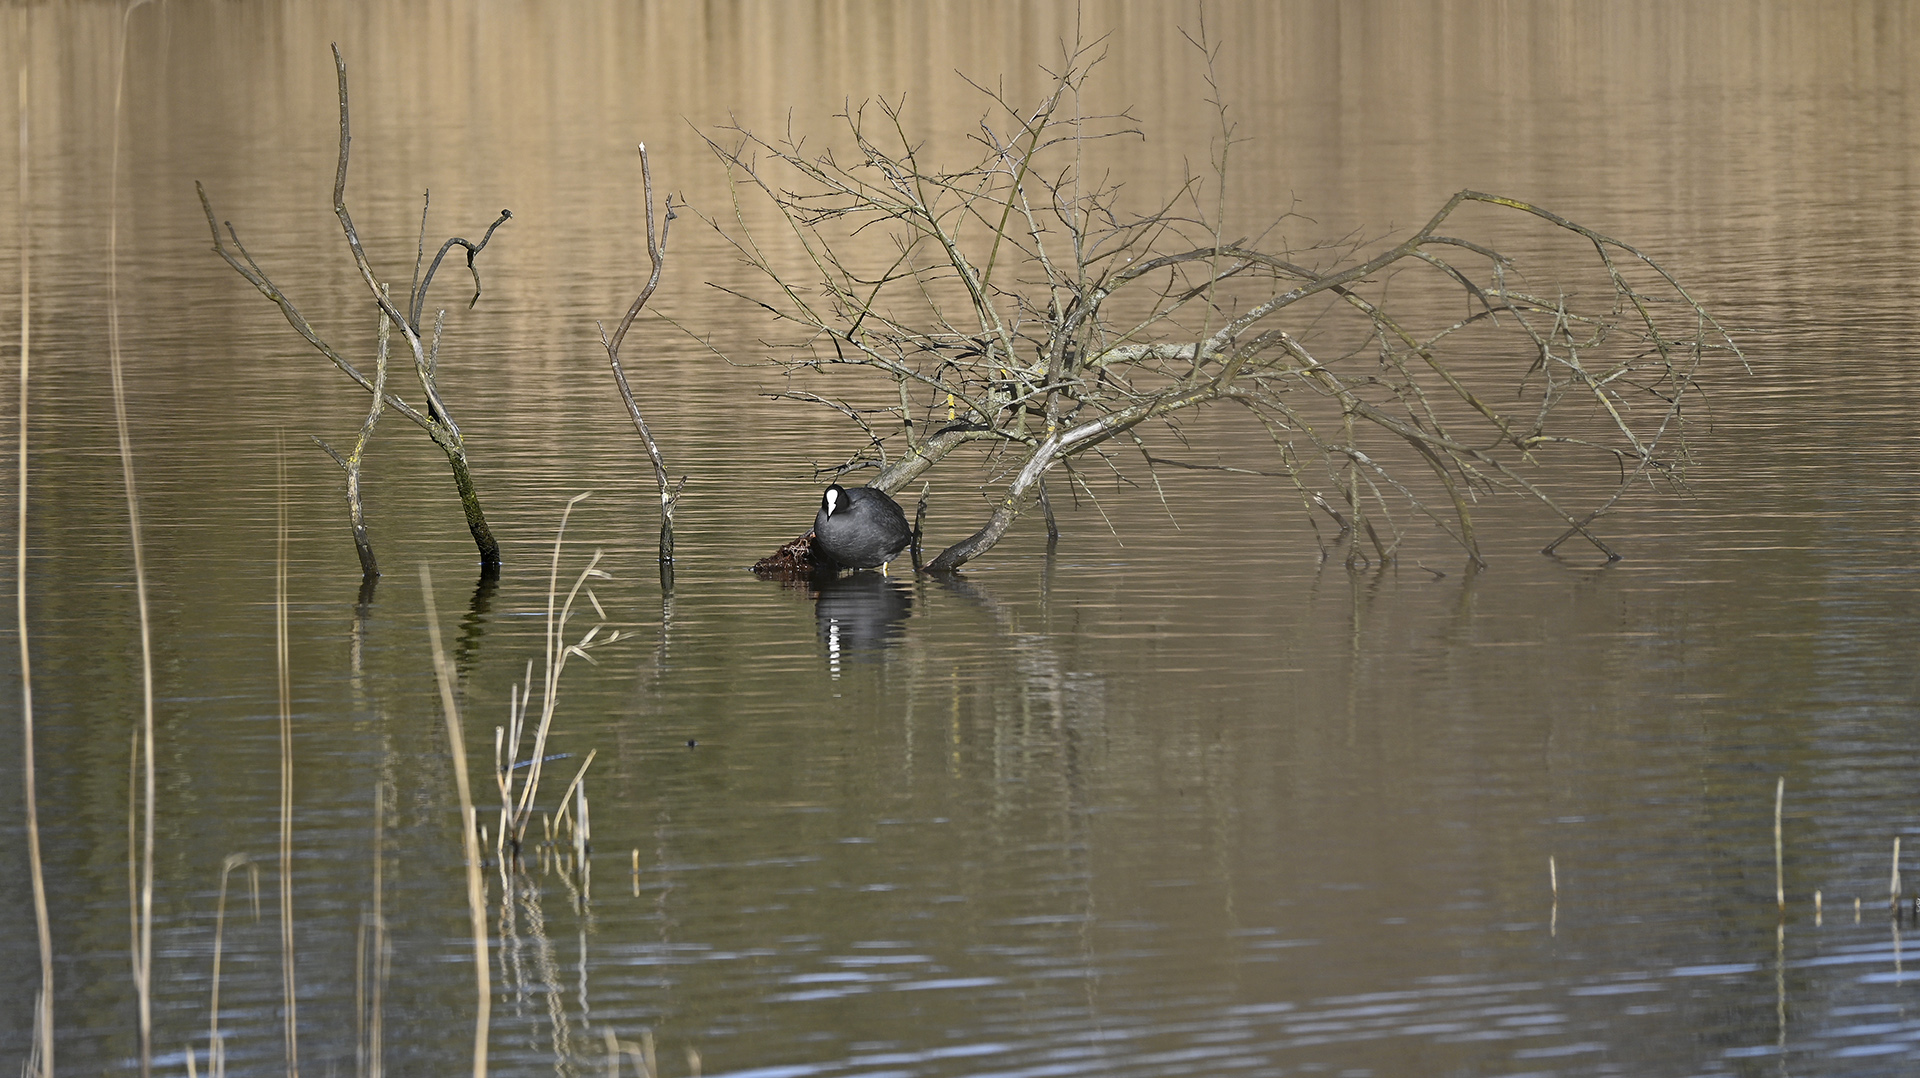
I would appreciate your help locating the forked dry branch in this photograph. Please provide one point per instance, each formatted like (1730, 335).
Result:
(657, 258)
(1011, 301)
(434, 418)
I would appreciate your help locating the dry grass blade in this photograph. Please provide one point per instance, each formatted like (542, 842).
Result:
(143, 949)
(476, 901)
(289, 996)
(1779, 849)
(557, 652)
(42, 1061)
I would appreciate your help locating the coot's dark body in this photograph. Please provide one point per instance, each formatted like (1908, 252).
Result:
(860, 528)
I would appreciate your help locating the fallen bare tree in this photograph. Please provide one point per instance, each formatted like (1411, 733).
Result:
(1012, 303)
(434, 419)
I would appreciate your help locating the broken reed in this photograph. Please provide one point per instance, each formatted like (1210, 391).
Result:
(1895, 895)
(1819, 898)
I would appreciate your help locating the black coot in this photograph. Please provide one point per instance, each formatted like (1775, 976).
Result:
(860, 528)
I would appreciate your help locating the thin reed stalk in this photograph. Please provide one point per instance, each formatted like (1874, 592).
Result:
(376, 1034)
(287, 979)
(143, 950)
(369, 1019)
(1553, 881)
(469, 837)
(556, 659)
(1779, 849)
(1893, 884)
(42, 1063)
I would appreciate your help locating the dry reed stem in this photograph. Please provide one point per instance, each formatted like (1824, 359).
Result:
(281, 663)
(556, 659)
(476, 901)
(143, 953)
(1553, 881)
(42, 1062)
(1893, 884)
(1779, 870)
(583, 830)
(369, 1020)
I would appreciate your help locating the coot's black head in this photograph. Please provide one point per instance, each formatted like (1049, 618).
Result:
(834, 500)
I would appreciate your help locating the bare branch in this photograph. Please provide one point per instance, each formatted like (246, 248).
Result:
(1010, 294)
(657, 256)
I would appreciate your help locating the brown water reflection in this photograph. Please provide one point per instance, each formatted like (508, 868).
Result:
(1191, 800)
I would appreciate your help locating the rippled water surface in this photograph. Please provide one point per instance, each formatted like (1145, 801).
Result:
(1187, 795)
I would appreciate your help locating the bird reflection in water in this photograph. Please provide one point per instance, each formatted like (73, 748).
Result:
(859, 615)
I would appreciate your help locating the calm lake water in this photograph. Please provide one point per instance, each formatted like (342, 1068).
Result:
(1186, 796)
